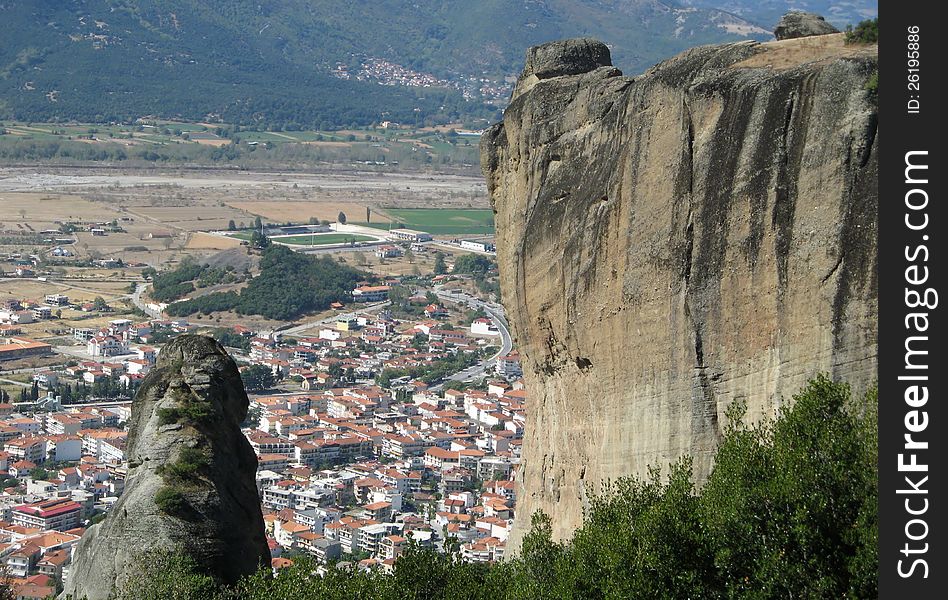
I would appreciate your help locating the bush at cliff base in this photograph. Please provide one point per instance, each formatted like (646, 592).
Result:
(789, 510)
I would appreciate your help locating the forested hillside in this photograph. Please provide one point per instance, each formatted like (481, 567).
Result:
(310, 63)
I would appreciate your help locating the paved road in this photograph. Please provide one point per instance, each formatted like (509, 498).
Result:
(141, 304)
(19, 383)
(299, 329)
(496, 314)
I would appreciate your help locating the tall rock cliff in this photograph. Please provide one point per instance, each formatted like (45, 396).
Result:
(674, 242)
(190, 485)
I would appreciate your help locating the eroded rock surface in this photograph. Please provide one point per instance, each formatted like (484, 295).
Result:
(669, 244)
(797, 24)
(184, 438)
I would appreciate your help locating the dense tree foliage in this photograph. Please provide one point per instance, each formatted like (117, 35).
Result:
(289, 285)
(865, 32)
(788, 511)
(473, 264)
(434, 371)
(231, 339)
(177, 283)
(259, 240)
(257, 377)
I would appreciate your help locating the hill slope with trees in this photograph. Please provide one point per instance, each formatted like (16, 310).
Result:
(271, 64)
(289, 285)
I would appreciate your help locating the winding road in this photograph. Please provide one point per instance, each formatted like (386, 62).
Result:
(496, 314)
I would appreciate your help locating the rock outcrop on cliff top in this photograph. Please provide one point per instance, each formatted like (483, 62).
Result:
(797, 24)
(671, 243)
(190, 486)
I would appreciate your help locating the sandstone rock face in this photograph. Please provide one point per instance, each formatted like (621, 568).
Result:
(669, 244)
(190, 405)
(797, 24)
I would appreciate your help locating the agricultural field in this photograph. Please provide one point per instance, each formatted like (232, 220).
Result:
(40, 210)
(159, 142)
(190, 218)
(303, 211)
(442, 221)
(206, 241)
(79, 291)
(126, 135)
(164, 214)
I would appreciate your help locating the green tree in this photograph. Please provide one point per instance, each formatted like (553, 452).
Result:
(341, 218)
(163, 575)
(231, 226)
(259, 240)
(865, 32)
(472, 264)
(257, 377)
(440, 268)
(39, 474)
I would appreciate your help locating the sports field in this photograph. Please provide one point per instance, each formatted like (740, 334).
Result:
(318, 239)
(322, 239)
(441, 221)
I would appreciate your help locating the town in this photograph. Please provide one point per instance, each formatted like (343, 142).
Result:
(394, 418)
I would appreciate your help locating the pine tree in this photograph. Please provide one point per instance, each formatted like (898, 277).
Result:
(440, 268)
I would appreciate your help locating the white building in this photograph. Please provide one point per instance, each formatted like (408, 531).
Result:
(508, 365)
(477, 246)
(56, 299)
(484, 326)
(410, 235)
(106, 345)
(370, 293)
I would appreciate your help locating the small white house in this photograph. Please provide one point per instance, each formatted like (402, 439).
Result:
(484, 326)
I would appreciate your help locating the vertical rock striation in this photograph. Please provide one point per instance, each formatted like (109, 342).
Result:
(674, 242)
(185, 448)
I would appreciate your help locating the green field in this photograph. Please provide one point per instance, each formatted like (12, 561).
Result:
(322, 239)
(319, 239)
(442, 221)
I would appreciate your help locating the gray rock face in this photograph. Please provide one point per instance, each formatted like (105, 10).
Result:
(798, 24)
(669, 244)
(564, 57)
(567, 57)
(184, 438)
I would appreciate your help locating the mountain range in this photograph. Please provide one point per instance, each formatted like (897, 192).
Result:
(322, 63)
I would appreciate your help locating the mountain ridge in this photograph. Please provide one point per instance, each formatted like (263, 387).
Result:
(287, 63)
